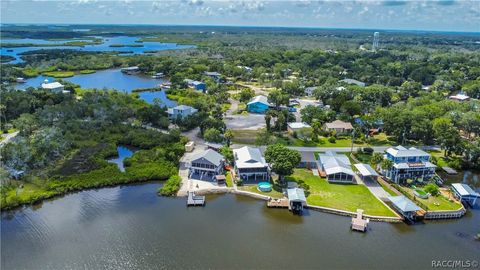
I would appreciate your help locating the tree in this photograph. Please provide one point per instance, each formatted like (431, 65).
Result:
(212, 135)
(386, 164)
(282, 159)
(268, 119)
(278, 98)
(228, 136)
(432, 189)
(376, 159)
(447, 135)
(227, 152)
(245, 95)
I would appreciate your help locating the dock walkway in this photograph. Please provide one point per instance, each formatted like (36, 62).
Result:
(194, 200)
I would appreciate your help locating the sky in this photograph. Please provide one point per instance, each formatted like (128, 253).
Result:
(438, 15)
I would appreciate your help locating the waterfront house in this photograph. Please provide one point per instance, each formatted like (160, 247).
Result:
(130, 70)
(250, 164)
(206, 165)
(258, 104)
(180, 111)
(411, 163)
(307, 160)
(55, 87)
(353, 81)
(405, 206)
(460, 97)
(197, 85)
(294, 127)
(339, 127)
(465, 193)
(336, 167)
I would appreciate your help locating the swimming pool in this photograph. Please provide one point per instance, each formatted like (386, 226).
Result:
(264, 187)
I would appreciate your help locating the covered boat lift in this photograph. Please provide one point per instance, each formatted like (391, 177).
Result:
(296, 199)
(465, 193)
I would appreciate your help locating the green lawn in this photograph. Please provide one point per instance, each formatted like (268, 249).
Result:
(363, 157)
(323, 142)
(381, 139)
(228, 179)
(435, 202)
(442, 161)
(244, 136)
(340, 196)
(275, 193)
(387, 189)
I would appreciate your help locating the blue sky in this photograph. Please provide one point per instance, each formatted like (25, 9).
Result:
(443, 15)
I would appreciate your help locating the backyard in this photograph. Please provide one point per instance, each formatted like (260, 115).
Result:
(275, 193)
(434, 203)
(340, 196)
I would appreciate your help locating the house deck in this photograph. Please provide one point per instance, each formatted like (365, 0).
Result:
(278, 203)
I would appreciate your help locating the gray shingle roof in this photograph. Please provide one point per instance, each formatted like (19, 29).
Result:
(210, 155)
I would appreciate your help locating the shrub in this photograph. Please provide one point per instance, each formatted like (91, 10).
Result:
(332, 139)
(432, 189)
(171, 187)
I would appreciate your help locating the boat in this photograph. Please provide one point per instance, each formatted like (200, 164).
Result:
(21, 80)
(158, 75)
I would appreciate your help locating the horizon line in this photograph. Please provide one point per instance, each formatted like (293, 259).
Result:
(249, 26)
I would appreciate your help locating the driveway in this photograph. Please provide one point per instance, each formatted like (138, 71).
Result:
(375, 188)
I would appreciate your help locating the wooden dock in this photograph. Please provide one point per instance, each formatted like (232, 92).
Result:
(358, 223)
(278, 203)
(194, 200)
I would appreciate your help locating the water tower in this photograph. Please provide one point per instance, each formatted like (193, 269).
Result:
(376, 39)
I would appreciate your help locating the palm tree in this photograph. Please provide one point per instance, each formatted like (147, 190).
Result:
(386, 164)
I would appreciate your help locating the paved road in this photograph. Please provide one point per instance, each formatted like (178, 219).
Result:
(7, 138)
(379, 149)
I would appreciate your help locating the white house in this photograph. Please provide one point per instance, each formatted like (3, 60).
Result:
(54, 86)
(250, 164)
(337, 167)
(181, 111)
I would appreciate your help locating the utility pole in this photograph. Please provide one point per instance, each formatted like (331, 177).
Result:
(353, 139)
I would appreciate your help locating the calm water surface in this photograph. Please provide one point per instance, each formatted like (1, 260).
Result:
(104, 47)
(123, 152)
(132, 227)
(110, 79)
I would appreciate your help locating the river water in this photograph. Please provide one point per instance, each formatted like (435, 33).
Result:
(110, 79)
(127, 41)
(131, 227)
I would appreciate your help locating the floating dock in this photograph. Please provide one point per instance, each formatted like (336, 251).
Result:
(358, 223)
(194, 200)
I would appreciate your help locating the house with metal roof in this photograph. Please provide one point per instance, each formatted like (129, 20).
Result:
(339, 127)
(465, 193)
(55, 87)
(405, 206)
(294, 127)
(258, 104)
(214, 75)
(411, 163)
(460, 97)
(206, 165)
(250, 164)
(181, 111)
(336, 167)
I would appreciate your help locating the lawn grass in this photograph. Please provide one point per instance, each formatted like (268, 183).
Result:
(59, 74)
(340, 196)
(87, 71)
(275, 193)
(323, 142)
(387, 189)
(381, 139)
(435, 203)
(244, 136)
(363, 157)
(228, 179)
(442, 161)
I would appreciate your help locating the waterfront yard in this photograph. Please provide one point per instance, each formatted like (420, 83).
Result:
(275, 193)
(340, 196)
(435, 203)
